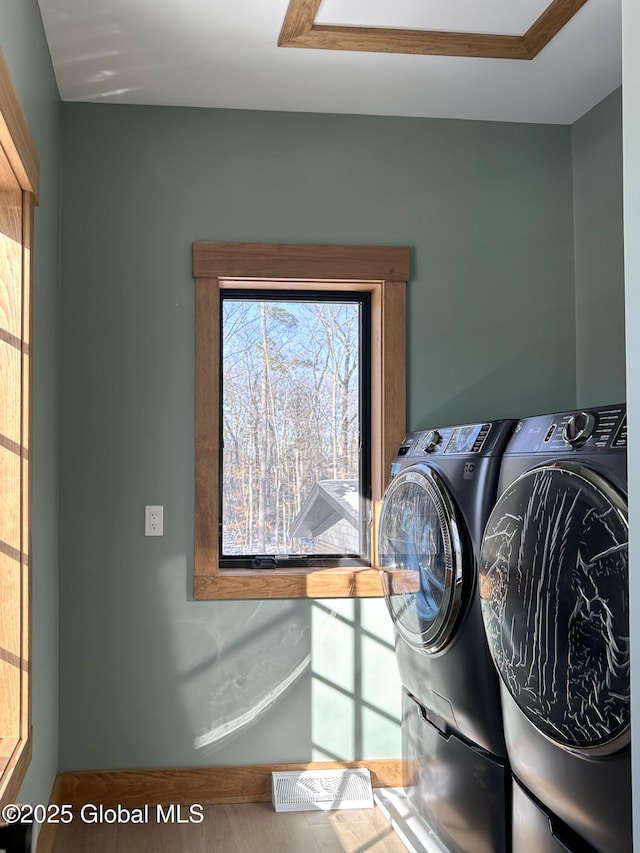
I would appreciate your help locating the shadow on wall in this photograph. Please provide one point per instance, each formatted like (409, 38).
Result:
(151, 679)
(236, 667)
(290, 681)
(493, 395)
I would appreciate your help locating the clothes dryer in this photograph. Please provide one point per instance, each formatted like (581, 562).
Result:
(555, 603)
(442, 489)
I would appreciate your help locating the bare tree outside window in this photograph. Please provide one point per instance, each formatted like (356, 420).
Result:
(292, 423)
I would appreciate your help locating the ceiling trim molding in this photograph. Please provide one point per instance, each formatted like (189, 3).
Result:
(300, 30)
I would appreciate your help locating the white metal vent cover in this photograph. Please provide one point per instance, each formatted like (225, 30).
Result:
(306, 790)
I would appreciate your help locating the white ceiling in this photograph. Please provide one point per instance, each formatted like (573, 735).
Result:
(210, 53)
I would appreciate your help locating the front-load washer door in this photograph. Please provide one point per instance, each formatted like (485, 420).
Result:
(555, 603)
(420, 558)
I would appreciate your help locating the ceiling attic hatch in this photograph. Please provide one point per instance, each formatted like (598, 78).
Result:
(302, 29)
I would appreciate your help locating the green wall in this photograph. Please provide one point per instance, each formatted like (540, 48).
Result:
(25, 49)
(599, 267)
(149, 677)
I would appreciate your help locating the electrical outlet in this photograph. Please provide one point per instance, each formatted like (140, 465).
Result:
(153, 521)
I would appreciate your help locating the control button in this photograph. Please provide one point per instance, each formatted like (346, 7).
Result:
(579, 428)
(431, 441)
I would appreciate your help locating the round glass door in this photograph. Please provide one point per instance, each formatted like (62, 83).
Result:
(555, 603)
(420, 558)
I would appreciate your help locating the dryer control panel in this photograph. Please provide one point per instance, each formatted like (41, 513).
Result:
(483, 439)
(593, 429)
(468, 439)
(463, 440)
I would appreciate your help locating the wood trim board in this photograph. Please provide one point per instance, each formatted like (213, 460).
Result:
(300, 30)
(300, 261)
(19, 186)
(15, 137)
(204, 785)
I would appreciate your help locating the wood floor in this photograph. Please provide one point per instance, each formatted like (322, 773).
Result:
(247, 828)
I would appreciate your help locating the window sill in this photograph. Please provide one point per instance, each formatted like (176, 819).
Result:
(288, 583)
(15, 755)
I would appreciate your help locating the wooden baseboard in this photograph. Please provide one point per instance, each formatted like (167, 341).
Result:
(186, 786)
(205, 785)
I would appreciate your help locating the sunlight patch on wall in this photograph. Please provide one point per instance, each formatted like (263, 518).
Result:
(355, 685)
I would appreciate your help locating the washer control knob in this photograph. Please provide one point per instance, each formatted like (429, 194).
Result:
(431, 441)
(579, 428)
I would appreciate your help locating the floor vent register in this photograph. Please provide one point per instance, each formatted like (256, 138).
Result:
(307, 790)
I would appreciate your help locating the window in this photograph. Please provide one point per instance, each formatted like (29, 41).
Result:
(284, 332)
(18, 194)
(294, 417)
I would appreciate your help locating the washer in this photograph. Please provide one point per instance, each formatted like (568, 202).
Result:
(555, 604)
(442, 489)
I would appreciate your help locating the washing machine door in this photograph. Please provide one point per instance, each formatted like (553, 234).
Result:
(420, 558)
(554, 595)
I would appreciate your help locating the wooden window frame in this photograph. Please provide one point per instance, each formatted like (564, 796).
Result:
(380, 270)
(19, 187)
